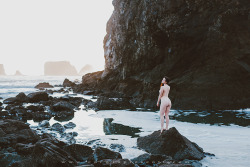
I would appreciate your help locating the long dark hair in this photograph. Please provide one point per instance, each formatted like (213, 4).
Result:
(167, 80)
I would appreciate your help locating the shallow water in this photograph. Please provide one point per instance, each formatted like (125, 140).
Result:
(12, 85)
(225, 134)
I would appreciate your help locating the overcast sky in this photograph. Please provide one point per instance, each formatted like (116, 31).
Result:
(35, 31)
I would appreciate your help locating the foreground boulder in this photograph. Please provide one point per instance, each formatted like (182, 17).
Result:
(13, 132)
(171, 143)
(79, 152)
(22, 147)
(47, 154)
(101, 153)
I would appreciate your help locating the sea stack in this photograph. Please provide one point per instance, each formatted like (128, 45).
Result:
(2, 71)
(86, 69)
(18, 73)
(59, 68)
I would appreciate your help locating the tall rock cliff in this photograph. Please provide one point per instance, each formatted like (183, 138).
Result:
(202, 45)
(2, 71)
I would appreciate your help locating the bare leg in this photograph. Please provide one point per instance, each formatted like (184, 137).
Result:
(162, 110)
(166, 115)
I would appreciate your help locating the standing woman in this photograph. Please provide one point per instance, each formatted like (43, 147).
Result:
(165, 102)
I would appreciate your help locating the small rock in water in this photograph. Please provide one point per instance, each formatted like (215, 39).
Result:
(58, 127)
(193, 163)
(44, 123)
(117, 147)
(63, 105)
(44, 85)
(70, 125)
(92, 141)
(74, 134)
(68, 83)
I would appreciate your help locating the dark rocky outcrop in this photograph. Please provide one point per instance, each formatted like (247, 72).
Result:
(62, 110)
(59, 68)
(37, 97)
(20, 98)
(35, 108)
(47, 154)
(171, 143)
(203, 46)
(79, 152)
(13, 132)
(115, 163)
(68, 83)
(10, 100)
(62, 105)
(150, 159)
(105, 103)
(23, 147)
(101, 153)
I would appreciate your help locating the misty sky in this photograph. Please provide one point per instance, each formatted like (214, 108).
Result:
(33, 32)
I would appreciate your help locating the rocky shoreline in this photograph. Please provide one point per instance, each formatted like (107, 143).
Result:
(203, 46)
(24, 146)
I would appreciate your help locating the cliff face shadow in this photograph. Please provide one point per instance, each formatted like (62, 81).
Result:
(110, 128)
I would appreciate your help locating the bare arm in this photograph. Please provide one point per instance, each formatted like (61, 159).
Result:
(160, 95)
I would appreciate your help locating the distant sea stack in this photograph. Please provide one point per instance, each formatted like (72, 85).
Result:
(59, 68)
(202, 45)
(2, 71)
(18, 73)
(86, 69)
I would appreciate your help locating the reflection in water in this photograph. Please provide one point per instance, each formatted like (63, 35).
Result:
(212, 117)
(110, 128)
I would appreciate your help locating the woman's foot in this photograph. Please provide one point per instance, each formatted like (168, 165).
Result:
(162, 131)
